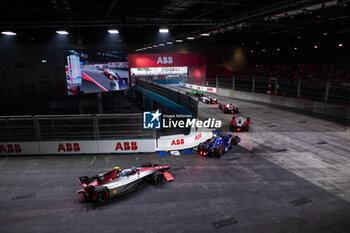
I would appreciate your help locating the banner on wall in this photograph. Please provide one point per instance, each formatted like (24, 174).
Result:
(201, 88)
(68, 147)
(127, 146)
(18, 148)
(181, 141)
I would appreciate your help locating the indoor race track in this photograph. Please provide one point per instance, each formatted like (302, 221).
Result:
(290, 173)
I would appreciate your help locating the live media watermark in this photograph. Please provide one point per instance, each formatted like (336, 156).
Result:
(157, 120)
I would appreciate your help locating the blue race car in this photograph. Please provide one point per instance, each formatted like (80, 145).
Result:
(217, 145)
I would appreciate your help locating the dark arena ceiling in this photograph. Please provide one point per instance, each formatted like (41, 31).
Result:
(138, 21)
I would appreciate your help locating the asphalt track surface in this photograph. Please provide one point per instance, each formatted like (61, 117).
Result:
(100, 81)
(290, 173)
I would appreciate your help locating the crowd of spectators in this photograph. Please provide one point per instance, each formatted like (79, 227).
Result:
(308, 72)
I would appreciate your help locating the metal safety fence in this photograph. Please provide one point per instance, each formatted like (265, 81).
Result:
(314, 90)
(73, 127)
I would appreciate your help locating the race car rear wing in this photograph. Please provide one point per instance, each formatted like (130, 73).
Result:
(85, 180)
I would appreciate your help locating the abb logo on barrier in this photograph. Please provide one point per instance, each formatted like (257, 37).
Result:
(126, 146)
(68, 147)
(198, 136)
(165, 60)
(10, 148)
(210, 89)
(177, 142)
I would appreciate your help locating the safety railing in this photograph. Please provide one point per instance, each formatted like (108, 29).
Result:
(73, 127)
(316, 90)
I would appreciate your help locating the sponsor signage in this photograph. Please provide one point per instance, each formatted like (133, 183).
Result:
(179, 142)
(68, 147)
(201, 88)
(163, 60)
(14, 148)
(127, 146)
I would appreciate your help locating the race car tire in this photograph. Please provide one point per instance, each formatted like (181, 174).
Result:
(225, 110)
(220, 105)
(234, 140)
(146, 165)
(220, 152)
(246, 128)
(214, 151)
(100, 195)
(158, 178)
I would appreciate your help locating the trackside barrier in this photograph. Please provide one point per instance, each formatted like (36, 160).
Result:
(78, 147)
(165, 143)
(181, 141)
(201, 88)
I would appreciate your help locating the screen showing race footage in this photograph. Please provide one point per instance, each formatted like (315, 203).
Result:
(92, 71)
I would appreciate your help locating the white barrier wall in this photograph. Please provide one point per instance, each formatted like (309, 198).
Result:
(68, 147)
(166, 143)
(181, 141)
(201, 88)
(18, 148)
(125, 146)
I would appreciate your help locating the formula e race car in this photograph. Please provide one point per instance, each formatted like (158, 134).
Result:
(117, 182)
(208, 100)
(228, 108)
(217, 145)
(196, 93)
(114, 77)
(240, 123)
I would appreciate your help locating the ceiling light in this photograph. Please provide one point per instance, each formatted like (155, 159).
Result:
(178, 40)
(299, 37)
(340, 45)
(113, 31)
(9, 33)
(169, 42)
(149, 47)
(325, 34)
(278, 49)
(315, 46)
(163, 30)
(155, 46)
(190, 38)
(205, 34)
(161, 44)
(295, 48)
(62, 32)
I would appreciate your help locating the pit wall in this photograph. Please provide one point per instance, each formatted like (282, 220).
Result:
(311, 106)
(166, 143)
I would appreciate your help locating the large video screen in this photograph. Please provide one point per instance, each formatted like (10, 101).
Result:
(92, 71)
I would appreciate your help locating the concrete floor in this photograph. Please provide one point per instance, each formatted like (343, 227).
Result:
(285, 157)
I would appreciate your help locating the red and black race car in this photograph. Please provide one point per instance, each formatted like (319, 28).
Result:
(117, 182)
(240, 123)
(228, 108)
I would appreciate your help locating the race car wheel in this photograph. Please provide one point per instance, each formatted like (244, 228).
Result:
(234, 140)
(220, 105)
(220, 152)
(100, 196)
(225, 110)
(146, 165)
(158, 178)
(246, 128)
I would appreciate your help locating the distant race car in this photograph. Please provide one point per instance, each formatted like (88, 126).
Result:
(240, 123)
(118, 182)
(196, 93)
(218, 145)
(208, 100)
(228, 108)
